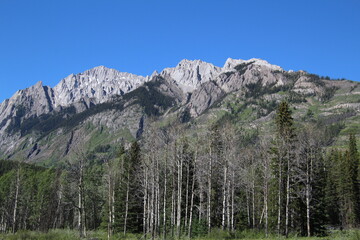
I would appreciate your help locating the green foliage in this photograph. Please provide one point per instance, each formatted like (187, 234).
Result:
(343, 205)
(51, 235)
(149, 97)
(295, 97)
(284, 121)
(42, 124)
(241, 68)
(316, 79)
(185, 116)
(64, 234)
(256, 90)
(292, 76)
(102, 148)
(328, 94)
(36, 193)
(199, 228)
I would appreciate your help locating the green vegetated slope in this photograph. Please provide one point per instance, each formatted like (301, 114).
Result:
(52, 137)
(60, 234)
(258, 158)
(339, 111)
(55, 137)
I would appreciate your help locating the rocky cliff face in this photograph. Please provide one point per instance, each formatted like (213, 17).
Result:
(98, 84)
(81, 90)
(32, 101)
(101, 84)
(189, 75)
(121, 102)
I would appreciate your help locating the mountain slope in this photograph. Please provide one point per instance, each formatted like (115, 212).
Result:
(103, 106)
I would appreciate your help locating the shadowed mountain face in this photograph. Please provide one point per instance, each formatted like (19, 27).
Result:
(105, 106)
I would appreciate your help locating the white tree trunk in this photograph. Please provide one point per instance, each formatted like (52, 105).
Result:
(145, 203)
(279, 197)
(232, 203)
(209, 194)
(164, 200)
(192, 198)
(287, 206)
(126, 202)
(224, 198)
(179, 193)
(17, 187)
(187, 196)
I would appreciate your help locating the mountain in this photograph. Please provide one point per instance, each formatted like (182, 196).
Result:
(97, 84)
(104, 106)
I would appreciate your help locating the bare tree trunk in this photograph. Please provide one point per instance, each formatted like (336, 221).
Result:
(158, 206)
(173, 206)
(152, 207)
(178, 219)
(145, 203)
(149, 209)
(157, 197)
(153, 203)
(126, 203)
(17, 187)
(308, 206)
(201, 199)
(279, 198)
(248, 207)
(58, 214)
(155, 210)
(80, 223)
(2, 224)
(164, 200)
(253, 202)
(111, 199)
(209, 193)
(232, 204)
(308, 192)
(110, 204)
(224, 198)
(287, 206)
(113, 206)
(81, 219)
(266, 195)
(228, 206)
(192, 198)
(187, 196)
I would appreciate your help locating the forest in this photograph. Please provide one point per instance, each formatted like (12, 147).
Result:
(177, 183)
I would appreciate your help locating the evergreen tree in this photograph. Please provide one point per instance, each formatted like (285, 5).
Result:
(332, 201)
(134, 217)
(283, 152)
(350, 184)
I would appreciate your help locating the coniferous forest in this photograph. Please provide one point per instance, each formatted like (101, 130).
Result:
(174, 183)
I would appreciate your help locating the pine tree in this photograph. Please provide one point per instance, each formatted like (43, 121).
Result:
(345, 174)
(283, 152)
(332, 201)
(134, 207)
(352, 187)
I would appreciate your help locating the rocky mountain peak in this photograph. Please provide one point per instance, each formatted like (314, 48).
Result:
(189, 74)
(99, 84)
(231, 63)
(101, 72)
(261, 62)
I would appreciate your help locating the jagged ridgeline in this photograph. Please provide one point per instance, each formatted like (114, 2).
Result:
(105, 106)
(193, 150)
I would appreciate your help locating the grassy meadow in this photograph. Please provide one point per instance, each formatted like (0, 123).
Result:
(64, 234)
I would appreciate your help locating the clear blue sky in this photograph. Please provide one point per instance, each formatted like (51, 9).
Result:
(46, 40)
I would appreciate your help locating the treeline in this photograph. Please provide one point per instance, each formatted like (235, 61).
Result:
(177, 183)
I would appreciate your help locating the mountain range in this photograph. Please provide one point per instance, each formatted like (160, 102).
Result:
(103, 106)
